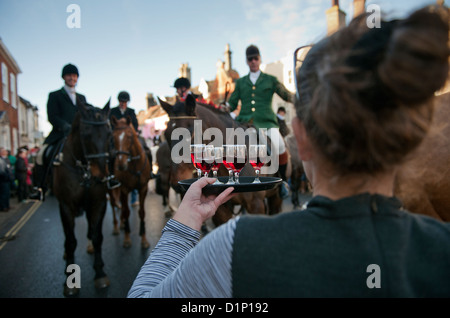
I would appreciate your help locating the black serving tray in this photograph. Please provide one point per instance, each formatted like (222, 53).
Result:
(245, 185)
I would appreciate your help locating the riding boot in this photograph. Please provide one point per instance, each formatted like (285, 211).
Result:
(38, 192)
(282, 170)
(284, 188)
(282, 161)
(111, 181)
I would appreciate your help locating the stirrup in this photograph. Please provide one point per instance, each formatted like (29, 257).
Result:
(58, 159)
(112, 183)
(38, 195)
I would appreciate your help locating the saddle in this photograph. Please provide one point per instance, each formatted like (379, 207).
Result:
(41, 170)
(48, 152)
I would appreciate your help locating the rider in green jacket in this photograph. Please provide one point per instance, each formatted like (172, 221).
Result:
(255, 91)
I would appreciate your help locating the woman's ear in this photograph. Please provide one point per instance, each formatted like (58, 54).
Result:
(303, 142)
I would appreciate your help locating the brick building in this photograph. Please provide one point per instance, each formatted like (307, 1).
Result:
(9, 100)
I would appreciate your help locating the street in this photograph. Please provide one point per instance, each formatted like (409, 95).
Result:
(32, 264)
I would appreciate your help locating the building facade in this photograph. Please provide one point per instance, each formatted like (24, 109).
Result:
(9, 100)
(28, 116)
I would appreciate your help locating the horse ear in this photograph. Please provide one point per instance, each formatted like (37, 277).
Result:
(190, 105)
(166, 106)
(128, 120)
(106, 107)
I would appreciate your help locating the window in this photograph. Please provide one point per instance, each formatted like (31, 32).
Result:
(5, 83)
(12, 80)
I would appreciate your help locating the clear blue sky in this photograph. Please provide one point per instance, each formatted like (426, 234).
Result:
(139, 45)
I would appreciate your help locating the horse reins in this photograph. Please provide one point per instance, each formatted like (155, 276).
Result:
(86, 169)
(183, 117)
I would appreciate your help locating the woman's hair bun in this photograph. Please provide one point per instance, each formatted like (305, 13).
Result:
(416, 60)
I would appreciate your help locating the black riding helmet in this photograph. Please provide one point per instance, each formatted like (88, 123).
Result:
(182, 82)
(123, 96)
(70, 69)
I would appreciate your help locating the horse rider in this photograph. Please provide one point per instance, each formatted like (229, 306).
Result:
(62, 106)
(123, 111)
(183, 87)
(255, 91)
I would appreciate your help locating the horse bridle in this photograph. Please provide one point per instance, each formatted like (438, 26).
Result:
(174, 118)
(87, 175)
(126, 153)
(130, 157)
(97, 155)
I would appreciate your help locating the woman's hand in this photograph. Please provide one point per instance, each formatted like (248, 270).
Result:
(195, 207)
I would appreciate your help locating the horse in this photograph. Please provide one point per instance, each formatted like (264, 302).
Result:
(80, 184)
(297, 170)
(211, 117)
(423, 182)
(133, 169)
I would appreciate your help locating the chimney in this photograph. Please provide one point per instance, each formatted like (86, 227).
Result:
(185, 71)
(151, 100)
(359, 7)
(227, 65)
(335, 17)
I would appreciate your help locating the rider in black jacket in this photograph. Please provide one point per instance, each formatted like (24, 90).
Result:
(62, 107)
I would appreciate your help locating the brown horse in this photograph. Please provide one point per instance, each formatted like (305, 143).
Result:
(133, 169)
(80, 184)
(183, 116)
(423, 182)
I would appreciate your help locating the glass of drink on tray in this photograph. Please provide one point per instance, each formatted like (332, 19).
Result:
(196, 157)
(215, 156)
(228, 152)
(257, 155)
(236, 159)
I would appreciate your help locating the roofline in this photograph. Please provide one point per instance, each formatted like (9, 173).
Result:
(10, 57)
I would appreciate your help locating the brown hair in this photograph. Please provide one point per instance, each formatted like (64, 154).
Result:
(366, 94)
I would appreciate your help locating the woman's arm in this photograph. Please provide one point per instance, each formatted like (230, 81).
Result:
(175, 268)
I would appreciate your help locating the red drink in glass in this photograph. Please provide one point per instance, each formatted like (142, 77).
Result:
(257, 164)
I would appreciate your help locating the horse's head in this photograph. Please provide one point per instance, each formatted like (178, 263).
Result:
(181, 115)
(91, 128)
(125, 141)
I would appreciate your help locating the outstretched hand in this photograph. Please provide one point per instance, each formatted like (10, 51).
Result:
(195, 208)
